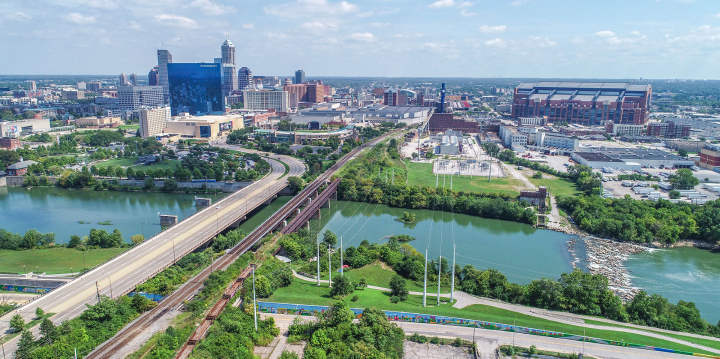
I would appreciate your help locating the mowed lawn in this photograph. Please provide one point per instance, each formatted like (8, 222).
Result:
(54, 260)
(129, 127)
(130, 162)
(379, 275)
(559, 187)
(301, 292)
(420, 174)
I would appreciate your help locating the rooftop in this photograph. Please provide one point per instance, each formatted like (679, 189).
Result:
(596, 157)
(624, 86)
(21, 165)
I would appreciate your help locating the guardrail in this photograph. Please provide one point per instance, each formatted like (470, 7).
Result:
(315, 310)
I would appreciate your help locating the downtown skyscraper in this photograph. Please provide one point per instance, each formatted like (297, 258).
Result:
(164, 58)
(229, 72)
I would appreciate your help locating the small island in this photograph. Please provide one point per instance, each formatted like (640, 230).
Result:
(406, 218)
(402, 238)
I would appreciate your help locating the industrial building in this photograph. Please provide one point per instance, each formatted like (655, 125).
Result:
(588, 103)
(710, 156)
(449, 144)
(203, 127)
(297, 138)
(15, 129)
(631, 159)
(513, 139)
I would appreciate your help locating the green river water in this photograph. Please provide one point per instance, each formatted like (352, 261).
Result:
(521, 252)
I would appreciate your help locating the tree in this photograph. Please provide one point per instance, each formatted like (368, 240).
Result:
(74, 241)
(149, 184)
(363, 283)
(39, 312)
(329, 238)
(398, 288)
(674, 194)
(137, 239)
(17, 323)
(48, 330)
(169, 185)
(682, 152)
(341, 286)
(537, 175)
(25, 345)
(684, 179)
(296, 184)
(429, 155)
(130, 172)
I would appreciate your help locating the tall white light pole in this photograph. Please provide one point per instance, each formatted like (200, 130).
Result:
(439, 276)
(425, 282)
(329, 267)
(318, 263)
(341, 258)
(452, 279)
(254, 300)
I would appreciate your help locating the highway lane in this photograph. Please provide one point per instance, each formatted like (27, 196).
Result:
(123, 273)
(488, 340)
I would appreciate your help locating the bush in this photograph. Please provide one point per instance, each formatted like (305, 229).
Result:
(394, 299)
(434, 340)
(355, 298)
(458, 342)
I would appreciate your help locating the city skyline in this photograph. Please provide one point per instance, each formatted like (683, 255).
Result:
(372, 38)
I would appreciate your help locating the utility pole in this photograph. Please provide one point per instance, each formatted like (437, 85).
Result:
(393, 176)
(318, 263)
(97, 289)
(437, 177)
(425, 282)
(439, 276)
(76, 348)
(2, 341)
(451, 181)
(452, 279)
(341, 258)
(254, 300)
(329, 268)
(443, 180)
(174, 257)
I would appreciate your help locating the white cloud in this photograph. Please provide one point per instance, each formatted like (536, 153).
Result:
(134, 25)
(210, 8)
(635, 33)
(102, 4)
(408, 36)
(249, 26)
(177, 20)
(79, 19)
(466, 4)
(520, 2)
(362, 36)
(542, 42)
(311, 9)
(496, 43)
(318, 26)
(466, 13)
(380, 24)
(605, 33)
(17, 16)
(717, 16)
(442, 3)
(492, 29)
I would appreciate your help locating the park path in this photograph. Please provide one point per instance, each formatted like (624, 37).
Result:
(465, 300)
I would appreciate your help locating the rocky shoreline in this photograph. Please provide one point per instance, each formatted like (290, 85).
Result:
(607, 257)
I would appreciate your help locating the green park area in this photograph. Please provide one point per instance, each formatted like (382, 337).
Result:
(302, 292)
(129, 127)
(420, 174)
(130, 162)
(559, 187)
(53, 260)
(379, 274)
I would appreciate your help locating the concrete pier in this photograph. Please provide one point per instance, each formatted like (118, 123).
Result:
(202, 202)
(168, 220)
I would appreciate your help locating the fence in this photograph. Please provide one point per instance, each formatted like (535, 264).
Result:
(315, 310)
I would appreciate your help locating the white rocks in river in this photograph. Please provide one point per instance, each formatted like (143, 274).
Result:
(606, 257)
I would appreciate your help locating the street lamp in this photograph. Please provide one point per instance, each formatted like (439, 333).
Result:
(174, 257)
(143, 229)
(217, 221)
(110, 280)
(24, 271)
(254, 300)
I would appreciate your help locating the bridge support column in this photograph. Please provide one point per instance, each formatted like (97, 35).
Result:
(326, 204)
(202, 202)
(307, 224)
(309, 201)
(296, 213)
(284, 223)
(269, 200)
(168, 220)
(237, 223)
(334, 195)
(316, 215)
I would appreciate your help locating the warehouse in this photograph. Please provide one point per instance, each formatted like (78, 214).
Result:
(630, 159)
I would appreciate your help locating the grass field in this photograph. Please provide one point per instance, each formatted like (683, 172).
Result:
(420, 174)
(300, 292)
(706, 342)
(53, 261)
(379, 275)
(556, 185)
(130, 162)
(129, 127)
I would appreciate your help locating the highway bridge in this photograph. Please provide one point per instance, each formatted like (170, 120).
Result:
(121, 274)
(277, 221)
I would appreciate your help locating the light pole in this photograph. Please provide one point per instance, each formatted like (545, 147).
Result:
(341, 258)
(143, 230)
(318, 264)
(254, 300)
(425, 282)
(329, 268)
(110, 280)
(217, 221)
(174, 257)
(24, 271)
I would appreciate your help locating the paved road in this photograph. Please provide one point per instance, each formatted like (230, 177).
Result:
(488, 340)
(123, 273)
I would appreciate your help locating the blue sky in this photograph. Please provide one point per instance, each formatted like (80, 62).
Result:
(413, 38)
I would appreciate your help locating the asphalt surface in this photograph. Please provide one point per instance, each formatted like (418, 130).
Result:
(488, 340)
(121, 274)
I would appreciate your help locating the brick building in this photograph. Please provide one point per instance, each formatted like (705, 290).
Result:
(20, 168)
(8, 143)
(668, 130)
(710, 156)
(588, 103)
(536, 198)
(441, 122)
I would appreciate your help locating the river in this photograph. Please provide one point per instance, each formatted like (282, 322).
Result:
(524, 253)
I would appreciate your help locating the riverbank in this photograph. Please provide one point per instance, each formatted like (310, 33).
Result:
(608, 258)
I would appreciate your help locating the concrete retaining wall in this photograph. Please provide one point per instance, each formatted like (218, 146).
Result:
(16, 181)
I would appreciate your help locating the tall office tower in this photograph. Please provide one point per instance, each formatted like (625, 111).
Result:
(93, 86)
(154, 77)
(230, 77)
(33, 86)
(195, 88)
(164, 58)
(245, 78)
(133, 79)
(299, 76)
(153, 121)
(123, 80)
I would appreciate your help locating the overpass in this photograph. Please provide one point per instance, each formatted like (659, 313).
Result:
(122, 273)
(276, 221)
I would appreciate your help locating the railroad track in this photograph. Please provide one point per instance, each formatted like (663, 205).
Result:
(190, 288)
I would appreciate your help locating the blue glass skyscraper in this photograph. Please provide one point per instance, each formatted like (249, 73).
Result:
(195, 88)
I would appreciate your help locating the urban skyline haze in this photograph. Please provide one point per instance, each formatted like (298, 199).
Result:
(373, 38)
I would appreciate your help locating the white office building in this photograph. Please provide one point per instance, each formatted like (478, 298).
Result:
(153, 121)
(132, 98)
(513, 139)
(266, 100)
